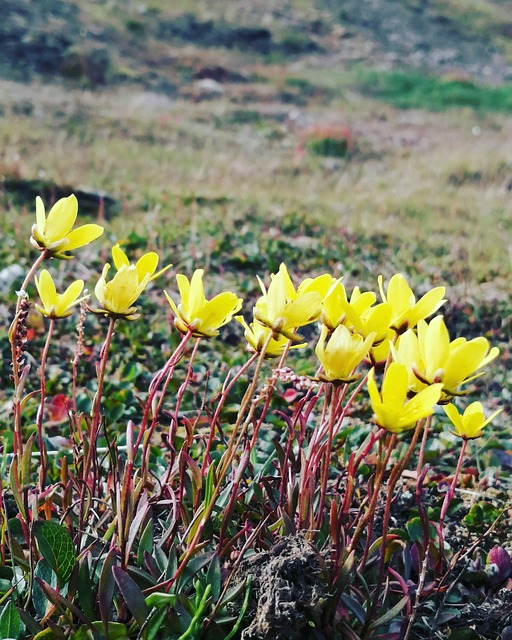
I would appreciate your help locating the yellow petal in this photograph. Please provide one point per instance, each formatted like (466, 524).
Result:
(421, 406)
(464, 360)
(147, 264)
(40, 215)
(399, 294)
(394, 385)
(428, 304)
(435, 345)
(72, 292)
(219, 311)
(83, 235)
(119, 257)
(184, 289)
(46, 289)
(196, 295)
(61, 219)
(306, 308)
(100, 290)
(375, 398)
(455, 417)
(321, 285)
(172, 303)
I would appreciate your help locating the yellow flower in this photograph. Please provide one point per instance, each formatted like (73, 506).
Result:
(257, 335)
(343, 352)
(333, 312)
(195, 313)
(359, 315)
(470, 424)
(392, 409)
(406, 312)
(118, 296)
(283, 309)
(321, 284)
(362, 317)
(146, 264)
(57, 305)
(55, 233)
(379, 353)
(431, 357)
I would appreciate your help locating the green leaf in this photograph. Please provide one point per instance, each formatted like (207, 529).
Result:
(106, 586)
(130, 591)
(115, 631)
(85, 587)
(15, 488)
(26, 460)
(209, 484)
(392, 613)
(464, 634)
(213, 577)
(56, 546)
(158, 600)
(154, 623)
(415, 530)
(10, 621)
(145, 543)
(39, 599)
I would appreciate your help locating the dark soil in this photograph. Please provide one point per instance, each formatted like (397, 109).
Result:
(286, 590)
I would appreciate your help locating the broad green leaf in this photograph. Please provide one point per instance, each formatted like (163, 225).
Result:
(115, 631)
(10, 621)
(157, 600)
(56, 547)
(415, 530)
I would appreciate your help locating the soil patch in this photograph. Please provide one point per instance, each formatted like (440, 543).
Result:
(286, 590)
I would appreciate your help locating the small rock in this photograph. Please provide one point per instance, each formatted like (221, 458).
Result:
(210, 86)
(9, 275)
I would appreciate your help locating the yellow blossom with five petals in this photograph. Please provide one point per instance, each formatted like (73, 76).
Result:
(57, 305)
(432, 357)
(197, 314)
(146, 264)
(55, 234)
(393, 411)
(283, 309)
(341, 353)
(118, 296)
(257, 335)
(471, 423)
(406, 312)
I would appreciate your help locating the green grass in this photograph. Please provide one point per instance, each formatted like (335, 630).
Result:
(410, 89)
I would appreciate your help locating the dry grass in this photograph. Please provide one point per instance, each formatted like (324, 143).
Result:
(437, 180)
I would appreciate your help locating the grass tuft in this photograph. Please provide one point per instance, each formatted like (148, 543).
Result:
(413, 90)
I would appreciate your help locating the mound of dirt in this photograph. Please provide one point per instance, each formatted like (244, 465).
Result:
(286, 590)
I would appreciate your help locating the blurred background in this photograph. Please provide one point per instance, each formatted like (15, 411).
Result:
(380, 125)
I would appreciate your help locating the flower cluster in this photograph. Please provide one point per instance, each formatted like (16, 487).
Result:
(421, 365)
